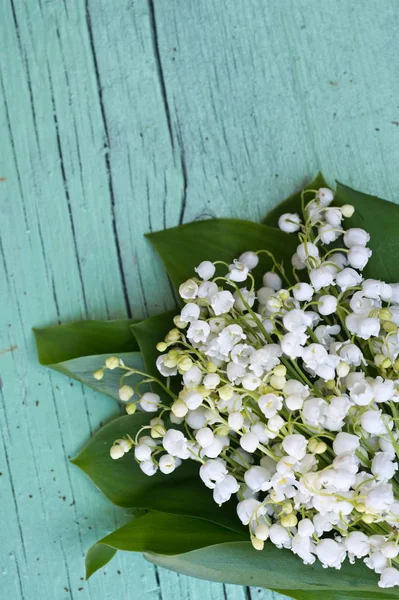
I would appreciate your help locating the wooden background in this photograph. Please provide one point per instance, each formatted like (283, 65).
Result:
(125, 116)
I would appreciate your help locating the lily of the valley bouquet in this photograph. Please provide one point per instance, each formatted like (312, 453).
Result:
(261, 435)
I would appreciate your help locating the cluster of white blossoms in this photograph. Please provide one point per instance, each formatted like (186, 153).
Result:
(289, 394)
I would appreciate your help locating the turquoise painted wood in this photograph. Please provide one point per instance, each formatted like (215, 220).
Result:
(124, 116)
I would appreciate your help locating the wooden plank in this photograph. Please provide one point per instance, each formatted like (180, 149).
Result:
(58, 240)
(124, 117)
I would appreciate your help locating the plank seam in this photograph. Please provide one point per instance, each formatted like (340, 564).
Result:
(14, 497)
(66, 190)
(107, 159)
(161, 77)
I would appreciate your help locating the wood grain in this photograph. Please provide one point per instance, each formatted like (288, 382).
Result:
(121, 117)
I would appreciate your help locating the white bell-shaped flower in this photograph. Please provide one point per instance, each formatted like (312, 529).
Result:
(175, 444)
(224, 489)
(272, 280)
(205, 270)
(330, 553)
(168, 463)
(289, 222)
(188, 290)
(356, 237)
(358, 257)
(222, 302)
(150, 402)
(212, 472)
(250, 259)
(238, 272)
(295, 445)
(321, 277)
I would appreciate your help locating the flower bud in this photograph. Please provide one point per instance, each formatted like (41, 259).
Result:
(225, 392)
(116, 452)
(131, 408)
(360, 507)
(262, 532)
(203, 391)
(172, 336)
(385, 314)
(343, 369)
(280, 371)
(347, 210)
(273, 303)
(222, 430)
(283, 295)
(330, 385)
(179, 408)
(257, 543)
(289, 520)
(367, 518)
(379, 359)
(396, 365)
(277, 382)
(170, 360)
(287, 508)
(386, 363)
(313, 445)
(185, 363)
(125, 393)
(158, 431)
(125, 445)
(389, 327)
(211, 367)
(98, 374)
(161, 346)
(321, 448)
(112, 362)
(179, 323)
(266, 389)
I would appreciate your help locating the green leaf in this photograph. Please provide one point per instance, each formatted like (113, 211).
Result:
(183, 248)
(82, 370)
(79, 349)
(97, 557)
(239, 563)
(123, 482)
(293, 203)
(84, 338)
(381, 219)
(161, 533)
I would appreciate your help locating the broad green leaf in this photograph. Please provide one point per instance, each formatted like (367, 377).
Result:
(85, 338)
(272, 568)
(82, 370)
(79, 349)
(191, 498)
(293, 203)
(183, 248)
(97, 557)
(160, 533)
(123, 482)
(381, 219)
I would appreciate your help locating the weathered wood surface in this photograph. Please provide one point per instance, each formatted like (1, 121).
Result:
(124, 116)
